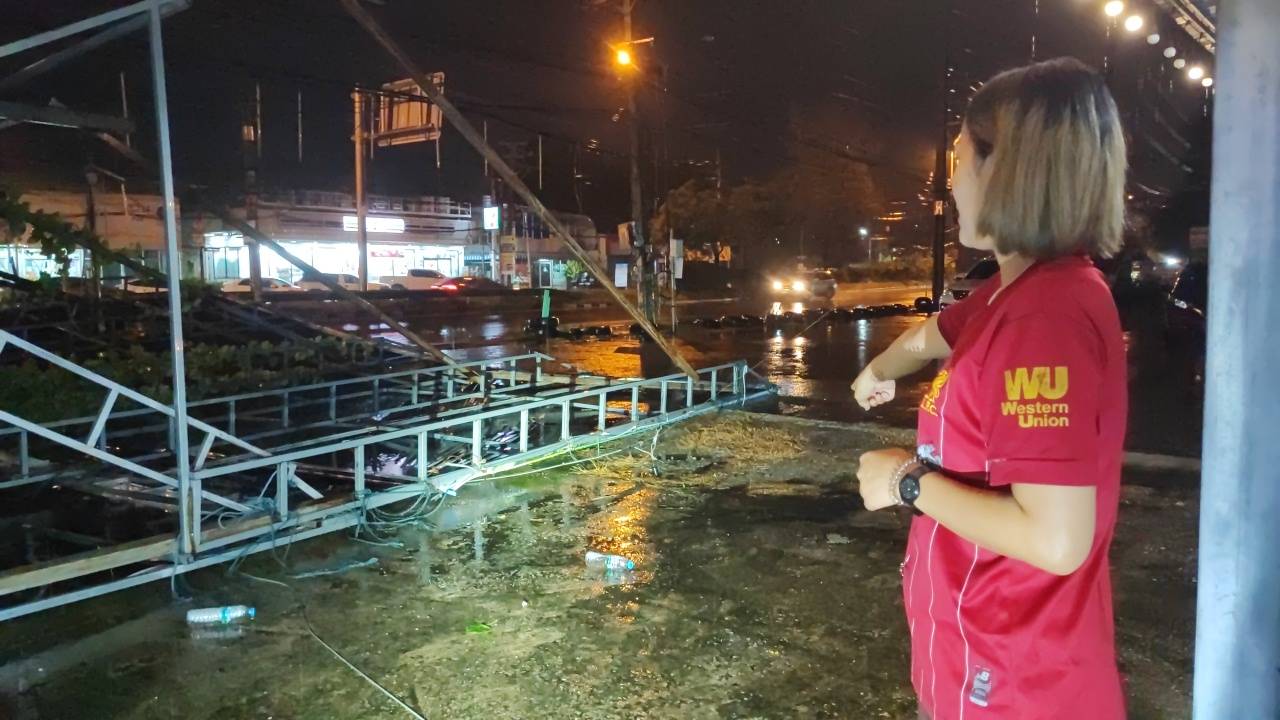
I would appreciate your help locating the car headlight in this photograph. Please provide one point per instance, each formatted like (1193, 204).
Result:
(799, 286)
(777, 284)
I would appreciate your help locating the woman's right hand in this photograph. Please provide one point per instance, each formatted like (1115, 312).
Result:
(870, 391)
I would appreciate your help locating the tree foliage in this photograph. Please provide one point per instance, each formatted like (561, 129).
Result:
(813, 204)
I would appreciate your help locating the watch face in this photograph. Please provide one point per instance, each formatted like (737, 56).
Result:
(909, 489)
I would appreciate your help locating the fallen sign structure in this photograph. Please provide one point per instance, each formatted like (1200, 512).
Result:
(273, 467)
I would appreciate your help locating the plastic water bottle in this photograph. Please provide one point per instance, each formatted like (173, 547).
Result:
(609, 562)
(224, 615)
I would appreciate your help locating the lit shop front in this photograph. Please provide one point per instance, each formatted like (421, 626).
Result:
(321, 230)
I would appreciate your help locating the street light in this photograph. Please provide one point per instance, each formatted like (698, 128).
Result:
(1180, 63)
(622, 57)
(1195, 72)
(1113, 8)
(1153, 39)
(1170, 51)
(1207, 82)
(1133, 23)
(862, 232)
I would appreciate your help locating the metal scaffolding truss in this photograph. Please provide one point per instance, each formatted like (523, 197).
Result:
(227, 477)
(283, 465)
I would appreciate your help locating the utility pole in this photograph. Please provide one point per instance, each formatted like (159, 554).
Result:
(940, 169)
(644, 250)
(362, 238)
(251, 154)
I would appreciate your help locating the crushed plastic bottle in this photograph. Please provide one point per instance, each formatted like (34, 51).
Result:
(224, 615)
(609, 562)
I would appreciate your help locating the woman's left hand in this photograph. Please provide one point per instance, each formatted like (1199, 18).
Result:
(875, 470)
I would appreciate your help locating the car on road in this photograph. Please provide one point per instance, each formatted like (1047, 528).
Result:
(146, 286)
(1187, 307)
(585, 280)
(962, 285)
(345, 280)
(244, 285)
(471, 284)
(415, 279)
(803, 284)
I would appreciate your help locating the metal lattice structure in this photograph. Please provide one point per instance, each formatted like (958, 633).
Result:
(277, 466)
(219, 479)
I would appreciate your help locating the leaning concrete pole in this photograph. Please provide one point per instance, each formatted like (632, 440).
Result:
(477, 141)
(1237, 662)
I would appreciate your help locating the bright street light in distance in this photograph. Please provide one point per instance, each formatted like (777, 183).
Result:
(1180, 63)
(1113, 8)
(862, 231)
(1207, 82)
(1133, 23)
(622, 56)
(1170, 51)
(1153, 38)
(1195, 72)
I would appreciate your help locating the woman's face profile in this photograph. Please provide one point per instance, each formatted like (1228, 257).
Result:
(966, 188)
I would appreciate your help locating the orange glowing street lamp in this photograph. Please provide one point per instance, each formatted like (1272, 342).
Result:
(622, 57)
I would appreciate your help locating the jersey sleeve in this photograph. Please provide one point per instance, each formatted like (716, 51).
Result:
(953, 319)
(1040, 405)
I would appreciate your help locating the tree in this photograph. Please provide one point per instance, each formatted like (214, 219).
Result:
(827, 184)
(696, 213)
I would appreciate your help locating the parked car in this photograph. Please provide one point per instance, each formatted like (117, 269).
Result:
(962, 285)
(804, 284)
(470, 283)
(416, 279)
(347, 281)
(146, 286)
(584, 280)
(1187, 306)
(268, 285)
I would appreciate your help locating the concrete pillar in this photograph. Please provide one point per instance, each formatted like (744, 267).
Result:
(1237, 663)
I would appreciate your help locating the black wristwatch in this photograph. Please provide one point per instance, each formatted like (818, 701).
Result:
(909, 485)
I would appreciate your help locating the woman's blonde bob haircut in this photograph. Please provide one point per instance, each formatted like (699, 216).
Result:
(1052, 137)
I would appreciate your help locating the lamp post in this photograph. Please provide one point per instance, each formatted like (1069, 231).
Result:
(624, 59)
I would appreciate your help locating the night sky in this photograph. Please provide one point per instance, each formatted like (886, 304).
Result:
(736, 70)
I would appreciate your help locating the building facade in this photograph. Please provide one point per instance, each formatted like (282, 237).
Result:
(320, 228)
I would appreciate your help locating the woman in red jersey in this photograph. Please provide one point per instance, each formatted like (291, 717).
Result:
(1016, 473)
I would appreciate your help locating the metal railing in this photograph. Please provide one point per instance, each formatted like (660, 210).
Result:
(446, 426)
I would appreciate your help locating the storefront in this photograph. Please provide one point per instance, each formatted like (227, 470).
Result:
(320, 229)
(126, 222)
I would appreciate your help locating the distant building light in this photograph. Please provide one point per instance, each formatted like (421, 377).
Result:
(373, 223)
(1179, 63)
(1170, 51)
(1133, 23)
(1196, 72)
(1113, 8)
(492, 218)
(1207, 82)
(1153, 38)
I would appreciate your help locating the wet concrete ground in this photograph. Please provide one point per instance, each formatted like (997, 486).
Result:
(762, 590)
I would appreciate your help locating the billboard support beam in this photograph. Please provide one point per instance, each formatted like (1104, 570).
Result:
(510, 177)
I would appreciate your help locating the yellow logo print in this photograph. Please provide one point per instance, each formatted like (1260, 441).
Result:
(1035, 383)
(1026, 387)
(929, 403)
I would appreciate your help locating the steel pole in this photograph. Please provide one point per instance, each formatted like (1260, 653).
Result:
(518, 186)
(1237, 623)
(362, 231)
(940, 189)
(188, 486)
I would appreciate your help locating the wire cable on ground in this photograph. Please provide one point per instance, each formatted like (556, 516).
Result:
(306, 619)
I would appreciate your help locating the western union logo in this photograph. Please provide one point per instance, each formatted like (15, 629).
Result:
(1025, 387)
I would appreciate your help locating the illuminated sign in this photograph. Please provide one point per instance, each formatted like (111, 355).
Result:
(372, 223)
(492, 218)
